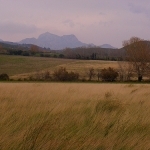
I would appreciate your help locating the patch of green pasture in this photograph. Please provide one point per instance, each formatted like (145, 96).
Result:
(16, 65)
(13, 65)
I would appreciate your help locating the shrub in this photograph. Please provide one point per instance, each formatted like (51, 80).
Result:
(63, 75)
(40, 76)
(60, 74)
(61, 56)
(46, 76)
(41, 55)
(109, 74)
(4, 77)
(25, 53)
(72, 76)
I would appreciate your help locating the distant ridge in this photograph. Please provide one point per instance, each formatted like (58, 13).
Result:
(107, 46)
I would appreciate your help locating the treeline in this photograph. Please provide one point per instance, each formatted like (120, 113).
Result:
(94, 53)
(29, 50)
(88, 53)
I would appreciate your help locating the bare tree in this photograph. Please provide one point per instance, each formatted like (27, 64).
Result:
(91, 73)
(69, 53)
(2, 50)
(138, 55)
(34, 49)
(125, 71)
(98, 74)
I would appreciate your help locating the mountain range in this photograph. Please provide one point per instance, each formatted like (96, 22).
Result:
(55, 42)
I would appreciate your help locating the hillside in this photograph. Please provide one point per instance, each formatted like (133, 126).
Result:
(11, 45)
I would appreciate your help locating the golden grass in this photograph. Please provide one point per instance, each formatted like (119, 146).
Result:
(71, 116)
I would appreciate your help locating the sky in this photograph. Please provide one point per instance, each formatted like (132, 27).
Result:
(91, 21)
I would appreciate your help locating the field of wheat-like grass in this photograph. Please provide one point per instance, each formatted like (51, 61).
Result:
(74, 116)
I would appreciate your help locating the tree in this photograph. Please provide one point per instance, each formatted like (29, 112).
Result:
(138, 55)
(2, 50)
(34, 49)
(93, 56)
(69, 53)
(125, 71)
(98, 74)
(61, 56)
(91, 73)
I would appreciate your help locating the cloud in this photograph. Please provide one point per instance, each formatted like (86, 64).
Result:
(69, 22)
(102, 14)
(139, 9)
(16, 28)
(96, 21)
(135, 8)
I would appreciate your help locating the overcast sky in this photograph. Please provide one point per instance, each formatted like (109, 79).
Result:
(91, 21)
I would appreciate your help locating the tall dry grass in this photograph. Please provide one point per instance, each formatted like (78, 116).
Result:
(67, 116)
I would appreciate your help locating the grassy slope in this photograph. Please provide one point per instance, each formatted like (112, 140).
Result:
(20, 66)
(44, 116)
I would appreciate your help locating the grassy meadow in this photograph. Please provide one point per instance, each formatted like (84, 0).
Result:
(74, 116)
(22, 67)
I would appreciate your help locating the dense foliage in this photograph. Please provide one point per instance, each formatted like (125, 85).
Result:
(109, 74)
(63, 75)
(4, 77)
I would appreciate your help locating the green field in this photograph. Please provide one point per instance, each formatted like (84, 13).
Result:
(74, 116)
(21, 66)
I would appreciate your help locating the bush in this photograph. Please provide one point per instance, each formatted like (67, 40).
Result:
(4, 77)
(72, 76)
(46, 76)
(109, 74)
(61, 56)
(25, 53)
(63, 75)
(40, 76)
